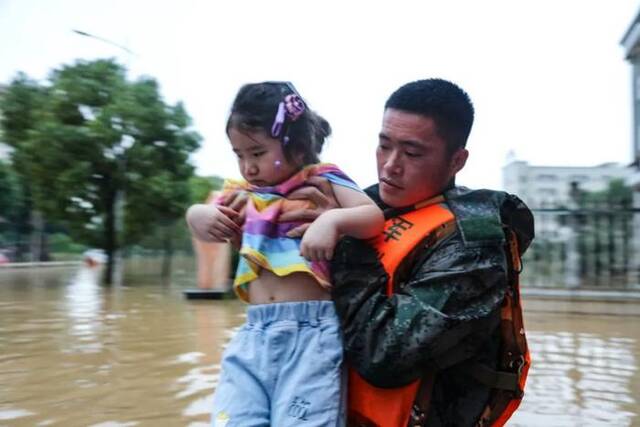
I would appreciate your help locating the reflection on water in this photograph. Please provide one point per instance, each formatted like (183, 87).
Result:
(73, 352)
(83, 304)
(584, 372)
(76, 353)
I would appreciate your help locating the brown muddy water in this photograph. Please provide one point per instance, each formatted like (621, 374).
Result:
(75, 353)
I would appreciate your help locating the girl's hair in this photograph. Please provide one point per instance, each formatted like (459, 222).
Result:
(256, 107)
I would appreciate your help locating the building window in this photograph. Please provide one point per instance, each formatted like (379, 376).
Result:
(547, 177)
(579, 178)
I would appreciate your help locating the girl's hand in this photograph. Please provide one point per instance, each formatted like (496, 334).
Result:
(211, 223)
(320, 238)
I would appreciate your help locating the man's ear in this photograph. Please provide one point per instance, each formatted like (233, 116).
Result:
(458, 160)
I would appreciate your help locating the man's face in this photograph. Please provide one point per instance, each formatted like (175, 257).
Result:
(413, 161)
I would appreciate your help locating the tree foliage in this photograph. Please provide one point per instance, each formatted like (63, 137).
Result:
(12, 204)
(14, 211)
(89, 140)
(202, 186)
(617, 193)
(8, 191)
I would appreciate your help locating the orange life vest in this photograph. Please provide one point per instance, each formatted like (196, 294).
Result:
(391, 407)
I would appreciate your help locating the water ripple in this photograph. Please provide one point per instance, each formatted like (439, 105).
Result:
(579, 379)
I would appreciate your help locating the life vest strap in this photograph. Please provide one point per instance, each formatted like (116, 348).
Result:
(492, 378)
(516, 357)
(420, 408)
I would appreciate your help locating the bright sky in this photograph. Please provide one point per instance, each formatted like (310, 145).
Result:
(548, 78)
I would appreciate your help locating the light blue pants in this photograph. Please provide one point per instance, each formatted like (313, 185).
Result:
(283, 368)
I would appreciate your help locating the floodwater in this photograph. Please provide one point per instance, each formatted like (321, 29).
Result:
(75, 353)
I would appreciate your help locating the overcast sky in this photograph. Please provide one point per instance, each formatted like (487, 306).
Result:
(548, 78)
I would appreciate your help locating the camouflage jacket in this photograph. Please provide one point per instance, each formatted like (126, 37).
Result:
(445, 311)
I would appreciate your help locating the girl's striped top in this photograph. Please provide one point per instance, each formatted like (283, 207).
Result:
(264, 240)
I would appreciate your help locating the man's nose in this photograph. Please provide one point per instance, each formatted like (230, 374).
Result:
(393, 163)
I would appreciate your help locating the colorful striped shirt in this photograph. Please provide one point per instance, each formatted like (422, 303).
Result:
(265, 244)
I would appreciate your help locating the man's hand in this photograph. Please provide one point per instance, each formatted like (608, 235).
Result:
(237, 201)
(320, 193)
(211, 223)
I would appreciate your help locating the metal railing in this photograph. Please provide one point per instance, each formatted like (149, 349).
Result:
(594, 246)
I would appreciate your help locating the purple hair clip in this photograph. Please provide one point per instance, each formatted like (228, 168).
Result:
(291, 108)
(295, 106)
(278, 122)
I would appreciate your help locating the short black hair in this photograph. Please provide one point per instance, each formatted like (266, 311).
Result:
(447, 104)
(254, 110)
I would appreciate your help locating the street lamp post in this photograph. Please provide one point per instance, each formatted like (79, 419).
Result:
(107, 41)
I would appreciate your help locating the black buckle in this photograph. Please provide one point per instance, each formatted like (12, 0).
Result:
(418, 418)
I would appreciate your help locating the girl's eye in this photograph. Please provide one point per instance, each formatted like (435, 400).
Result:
(258, 154)
(383, 147)
(410, 154)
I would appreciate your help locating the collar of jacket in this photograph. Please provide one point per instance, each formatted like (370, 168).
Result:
(390, 212)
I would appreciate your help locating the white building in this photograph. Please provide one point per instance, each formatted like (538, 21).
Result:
(551, 185)
(631, 44)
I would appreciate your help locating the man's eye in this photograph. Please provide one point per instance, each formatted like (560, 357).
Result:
(411, 154)
(258, 154)
(383, 147)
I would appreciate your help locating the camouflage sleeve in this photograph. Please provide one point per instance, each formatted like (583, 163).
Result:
(445, 310)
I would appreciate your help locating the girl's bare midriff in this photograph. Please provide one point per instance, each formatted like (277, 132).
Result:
(269, 288)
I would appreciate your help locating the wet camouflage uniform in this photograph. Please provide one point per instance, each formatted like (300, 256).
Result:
(446, 308)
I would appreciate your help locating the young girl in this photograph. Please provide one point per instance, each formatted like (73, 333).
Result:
(284, 367)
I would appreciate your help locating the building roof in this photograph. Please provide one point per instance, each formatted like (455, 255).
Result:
(605, 165)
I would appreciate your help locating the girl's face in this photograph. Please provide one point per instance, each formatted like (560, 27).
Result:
(261, 158)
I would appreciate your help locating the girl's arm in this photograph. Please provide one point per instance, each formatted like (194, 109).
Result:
(358, 216)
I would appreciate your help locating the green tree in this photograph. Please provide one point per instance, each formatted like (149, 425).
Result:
(19, 106)
(15, 207)
(201, 186)
(7, 191)
(175, 234)
(616, 194)
(9, 203)
(99, 145)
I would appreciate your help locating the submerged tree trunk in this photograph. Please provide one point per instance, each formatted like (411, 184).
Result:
(44, 247)
(167, 251)
(110, 241)
(37, 226)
